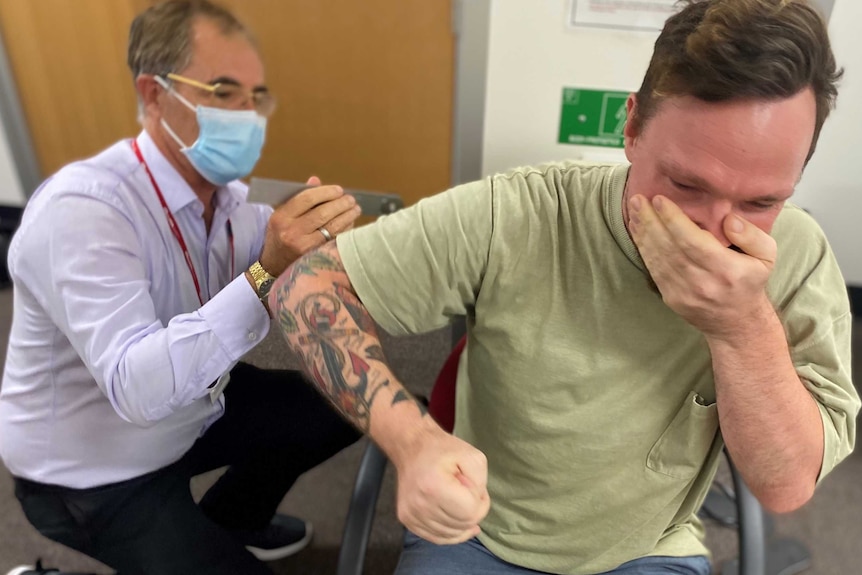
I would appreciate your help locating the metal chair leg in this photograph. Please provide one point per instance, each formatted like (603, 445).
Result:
(357, 527)
(752, 528)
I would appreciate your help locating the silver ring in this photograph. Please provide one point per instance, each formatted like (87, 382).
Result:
(325, 233)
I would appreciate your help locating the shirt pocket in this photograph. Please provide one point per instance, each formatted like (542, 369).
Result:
(682, 448)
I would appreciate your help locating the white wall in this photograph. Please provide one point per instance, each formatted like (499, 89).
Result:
(831, 188)
(11, 193)
(533, 55)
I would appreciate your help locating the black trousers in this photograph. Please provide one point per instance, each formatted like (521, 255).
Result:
(275, 427)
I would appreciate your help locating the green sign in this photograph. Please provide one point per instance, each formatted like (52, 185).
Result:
(593, 117)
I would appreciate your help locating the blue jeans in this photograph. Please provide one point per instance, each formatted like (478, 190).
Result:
(420, 557)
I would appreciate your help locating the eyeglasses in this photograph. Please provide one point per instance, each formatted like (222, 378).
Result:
(232, 96)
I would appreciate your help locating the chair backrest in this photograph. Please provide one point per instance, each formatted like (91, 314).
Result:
(441, 403)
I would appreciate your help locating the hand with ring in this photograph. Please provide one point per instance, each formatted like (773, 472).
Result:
(308, 220)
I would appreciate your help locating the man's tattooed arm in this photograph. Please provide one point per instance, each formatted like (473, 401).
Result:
(335, 338)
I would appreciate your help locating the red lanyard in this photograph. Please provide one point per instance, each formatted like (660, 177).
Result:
(175, 228)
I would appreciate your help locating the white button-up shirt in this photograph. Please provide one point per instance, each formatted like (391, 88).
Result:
(111, 353)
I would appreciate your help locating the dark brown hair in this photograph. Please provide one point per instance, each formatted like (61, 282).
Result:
(160, 36)
(721, 50)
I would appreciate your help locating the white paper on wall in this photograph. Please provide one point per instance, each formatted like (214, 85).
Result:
(626, 14)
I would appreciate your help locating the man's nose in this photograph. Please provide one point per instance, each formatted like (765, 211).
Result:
(712, 220)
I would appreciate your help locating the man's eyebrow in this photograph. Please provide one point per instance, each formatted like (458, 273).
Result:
(679, 173)
(231, 81)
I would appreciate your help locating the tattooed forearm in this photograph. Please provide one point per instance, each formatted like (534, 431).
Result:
(326, 325)
(375, 352)
(286, 321)
(354, 307)
(404, 395)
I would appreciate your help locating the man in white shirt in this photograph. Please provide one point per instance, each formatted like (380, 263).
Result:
(132, 311)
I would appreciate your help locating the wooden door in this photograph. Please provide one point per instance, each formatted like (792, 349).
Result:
(364, 88)
(68, 59)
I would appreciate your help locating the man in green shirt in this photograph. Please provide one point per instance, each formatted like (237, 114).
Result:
(624, 322)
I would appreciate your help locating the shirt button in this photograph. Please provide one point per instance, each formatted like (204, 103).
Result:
(252, 336)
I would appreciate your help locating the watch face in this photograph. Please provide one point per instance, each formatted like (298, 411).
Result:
(265, 286)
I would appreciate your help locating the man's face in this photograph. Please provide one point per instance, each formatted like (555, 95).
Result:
(714, 159)
(216, 58)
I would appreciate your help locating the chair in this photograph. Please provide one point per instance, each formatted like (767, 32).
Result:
(756, 557)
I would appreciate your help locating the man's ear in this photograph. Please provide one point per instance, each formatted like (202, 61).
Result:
(632, 126)
(148, 91)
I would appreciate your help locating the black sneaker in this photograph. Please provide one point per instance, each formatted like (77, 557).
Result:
(30, 570)
(284, 536)
(39, 570)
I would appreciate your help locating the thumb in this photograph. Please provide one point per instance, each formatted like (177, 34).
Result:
(750, 239)
(313, 181)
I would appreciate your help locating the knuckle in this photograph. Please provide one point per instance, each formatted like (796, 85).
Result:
(428, 488)
(480, 457)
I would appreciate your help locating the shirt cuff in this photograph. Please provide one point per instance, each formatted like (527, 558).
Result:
(237, 317)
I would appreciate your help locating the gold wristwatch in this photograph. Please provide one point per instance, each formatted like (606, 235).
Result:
(262, 283)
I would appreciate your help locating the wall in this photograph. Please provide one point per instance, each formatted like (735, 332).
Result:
(831, 188)
(19, 173)
(533, 55)
(11, 193)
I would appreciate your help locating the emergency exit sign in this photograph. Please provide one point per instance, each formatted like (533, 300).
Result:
(593, 117)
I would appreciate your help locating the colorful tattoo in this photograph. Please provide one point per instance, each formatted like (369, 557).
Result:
(287, 321)
(326, 328)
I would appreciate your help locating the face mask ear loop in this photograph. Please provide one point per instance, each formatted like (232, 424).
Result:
(170, 90)
(173, 135)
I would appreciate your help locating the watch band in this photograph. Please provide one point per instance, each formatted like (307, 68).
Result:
(263, 281)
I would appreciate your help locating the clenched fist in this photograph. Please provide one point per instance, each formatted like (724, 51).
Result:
(442, 493)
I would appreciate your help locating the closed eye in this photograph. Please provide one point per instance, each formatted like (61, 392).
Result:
(683, 187)
(761, 206)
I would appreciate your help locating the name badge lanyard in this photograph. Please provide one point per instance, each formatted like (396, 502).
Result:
(175, 228)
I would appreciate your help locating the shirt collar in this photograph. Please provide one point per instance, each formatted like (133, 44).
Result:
(176, 191)
(614, 189)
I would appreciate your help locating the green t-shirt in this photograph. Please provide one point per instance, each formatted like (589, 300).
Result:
(593, 401)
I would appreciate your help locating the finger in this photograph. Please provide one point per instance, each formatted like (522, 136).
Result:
(461, 508)
(429, 513)
(439, 539)
(433, 516)
(683, 231)
(313, 181)
(322, 214)
(698, 245)
(441, 529)
(342, 222)
(664, 260)
(484, 506)
(462, 505)
(311, 197)
(750, 239)
(647, 229)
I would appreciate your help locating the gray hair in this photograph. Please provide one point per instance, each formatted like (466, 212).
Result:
(160, 37)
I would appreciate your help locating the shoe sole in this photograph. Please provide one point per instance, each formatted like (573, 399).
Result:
(287, 550)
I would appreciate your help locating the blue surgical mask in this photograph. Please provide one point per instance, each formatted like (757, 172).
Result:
(229, 141)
